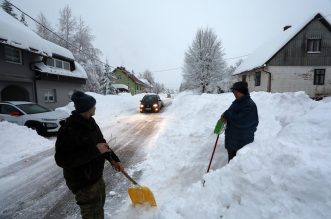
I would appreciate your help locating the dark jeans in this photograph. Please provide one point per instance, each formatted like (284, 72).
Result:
(231, 154)
(91, 200)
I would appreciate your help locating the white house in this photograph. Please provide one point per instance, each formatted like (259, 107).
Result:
(299, 59)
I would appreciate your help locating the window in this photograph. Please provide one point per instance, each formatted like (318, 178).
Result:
(314, 45)
(7, 109)
(257, 78)
(13, 55)
(50, 96)
(66, 65)
(319, 76)
(70, 95)
(58, 63)
(50, 62)
(243, 78)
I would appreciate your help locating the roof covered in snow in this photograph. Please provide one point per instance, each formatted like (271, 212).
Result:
(130, 75)
(16, 34)
(267, 50)
(79, 71)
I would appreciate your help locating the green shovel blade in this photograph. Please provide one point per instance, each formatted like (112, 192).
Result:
(218, 127)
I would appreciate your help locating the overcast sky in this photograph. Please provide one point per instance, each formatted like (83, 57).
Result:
(154, 34)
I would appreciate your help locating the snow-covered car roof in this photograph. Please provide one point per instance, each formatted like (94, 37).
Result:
(18, 102)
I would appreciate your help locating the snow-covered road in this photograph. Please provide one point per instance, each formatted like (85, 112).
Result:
(34, 187)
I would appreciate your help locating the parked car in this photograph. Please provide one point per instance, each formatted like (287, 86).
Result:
(151, 102)
(32, 115)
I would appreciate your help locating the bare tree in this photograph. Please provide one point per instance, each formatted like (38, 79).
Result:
(228, 79)
(23, 19)
(44, 27)
(204, 63)
(83, 41)
(77, 37)
(7, 7)
(149, 77)
(67, 25)
(158, 88)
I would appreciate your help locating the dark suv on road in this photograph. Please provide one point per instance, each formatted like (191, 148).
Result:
(151, 102)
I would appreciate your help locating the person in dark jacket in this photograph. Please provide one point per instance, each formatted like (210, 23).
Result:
(81, 150)
(241, 120)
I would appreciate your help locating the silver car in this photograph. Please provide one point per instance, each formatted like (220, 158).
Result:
(32, 115)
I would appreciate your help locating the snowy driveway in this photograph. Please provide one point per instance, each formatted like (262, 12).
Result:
(34, 187)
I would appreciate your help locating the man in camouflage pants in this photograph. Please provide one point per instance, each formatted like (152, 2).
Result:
(81, 151)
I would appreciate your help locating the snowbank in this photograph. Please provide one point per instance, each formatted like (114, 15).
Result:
(19, 142)
(284, 173)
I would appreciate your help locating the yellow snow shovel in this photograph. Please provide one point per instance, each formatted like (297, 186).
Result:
(140, 194)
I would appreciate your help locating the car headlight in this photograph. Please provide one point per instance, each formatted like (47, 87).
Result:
(155, 105)
(141, 105)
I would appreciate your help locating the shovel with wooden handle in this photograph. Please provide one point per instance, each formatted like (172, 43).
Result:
(139, 194)
(219, 129)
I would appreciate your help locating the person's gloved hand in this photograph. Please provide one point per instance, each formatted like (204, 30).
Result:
(223, 118)
(117, 166)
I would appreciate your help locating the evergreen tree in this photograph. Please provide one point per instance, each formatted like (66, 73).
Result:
(204, 63)
(106, 81)
(7, 7)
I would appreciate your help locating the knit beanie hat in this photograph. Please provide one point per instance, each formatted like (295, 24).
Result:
(83, 102)
(241, 87)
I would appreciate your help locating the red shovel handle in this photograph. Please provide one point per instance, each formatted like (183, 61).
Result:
(212, 155)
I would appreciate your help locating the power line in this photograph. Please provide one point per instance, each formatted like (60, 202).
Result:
(84, 51)
(236, 57)
(79, 51)
(172, 69)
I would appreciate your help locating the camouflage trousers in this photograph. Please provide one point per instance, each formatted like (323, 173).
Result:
(91, 200)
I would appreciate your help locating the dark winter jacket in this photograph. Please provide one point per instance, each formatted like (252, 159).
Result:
(242, 120)
(77, 154)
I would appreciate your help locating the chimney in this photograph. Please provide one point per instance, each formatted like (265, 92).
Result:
(286, 27)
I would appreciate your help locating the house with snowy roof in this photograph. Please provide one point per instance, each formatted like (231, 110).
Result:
(299, 59)
(34, 69)
(125, 79)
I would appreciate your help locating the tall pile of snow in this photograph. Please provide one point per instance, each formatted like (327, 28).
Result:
(284, 173)
(19, 142)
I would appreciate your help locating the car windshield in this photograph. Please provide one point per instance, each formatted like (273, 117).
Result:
(150, 98)
(32, 108)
